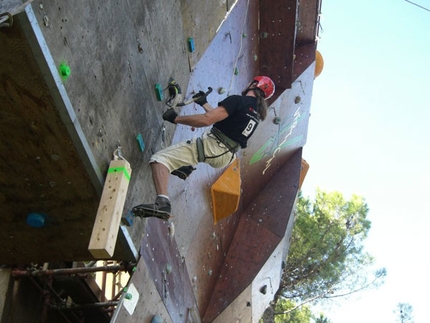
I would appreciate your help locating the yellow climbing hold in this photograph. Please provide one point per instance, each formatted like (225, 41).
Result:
(226, 192)
(319, 64)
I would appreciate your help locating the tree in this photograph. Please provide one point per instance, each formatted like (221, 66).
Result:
(322, 319)
(326, 257)
(403, 312)
(280, 313)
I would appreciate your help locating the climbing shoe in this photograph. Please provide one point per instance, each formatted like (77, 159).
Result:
(160, 209)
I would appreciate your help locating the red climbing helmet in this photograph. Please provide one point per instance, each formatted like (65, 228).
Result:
(266, 85)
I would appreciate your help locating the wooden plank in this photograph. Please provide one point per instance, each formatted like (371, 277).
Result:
(105, 230)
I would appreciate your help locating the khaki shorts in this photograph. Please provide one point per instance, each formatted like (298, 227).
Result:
(185, 153)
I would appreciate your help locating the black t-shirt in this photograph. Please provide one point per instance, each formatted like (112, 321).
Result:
(242, 118)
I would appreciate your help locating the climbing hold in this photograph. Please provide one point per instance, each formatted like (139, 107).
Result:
(159, 92)
(157, 319)
(236, 71)
(244, 35)
(226, 192)
(171, 229)
(319, 64)
(191, 44)
(128, 296)
(263, 290)
(36, 220)
(277, 120)
(64, 70)
(221, 90)
(297, 99)
(140, 142)
(128, 219)
(168, 268)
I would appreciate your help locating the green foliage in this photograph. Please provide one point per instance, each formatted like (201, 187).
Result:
(322, 319)
(326, 257)
(302, 315)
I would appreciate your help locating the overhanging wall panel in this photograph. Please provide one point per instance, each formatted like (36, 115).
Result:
(305, 56)
(261, 228)
(277, 40)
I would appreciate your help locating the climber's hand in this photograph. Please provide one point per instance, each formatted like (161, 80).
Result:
(170, 115)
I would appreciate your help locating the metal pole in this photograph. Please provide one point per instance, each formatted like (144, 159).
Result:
(103, 287)
(86, 306)
(66, 271)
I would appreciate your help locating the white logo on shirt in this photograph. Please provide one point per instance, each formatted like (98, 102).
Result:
(248, 129)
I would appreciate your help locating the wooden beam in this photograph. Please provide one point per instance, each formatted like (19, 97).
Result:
(106, 226)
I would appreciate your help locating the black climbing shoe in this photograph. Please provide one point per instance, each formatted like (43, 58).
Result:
(160, 209)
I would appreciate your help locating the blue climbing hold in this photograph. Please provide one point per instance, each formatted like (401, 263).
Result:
(36, 220)
(157, 319)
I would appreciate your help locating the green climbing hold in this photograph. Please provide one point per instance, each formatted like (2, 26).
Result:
(191, 46)
(64, 70)
(168, 268)
(140, 142)
(159, 92)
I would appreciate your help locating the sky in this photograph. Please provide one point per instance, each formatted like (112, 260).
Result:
(369, 135)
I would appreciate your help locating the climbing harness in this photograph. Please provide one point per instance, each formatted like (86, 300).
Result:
(200, 150)
(231, 145)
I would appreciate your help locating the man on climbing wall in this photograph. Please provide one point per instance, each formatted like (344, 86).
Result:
(234, 121)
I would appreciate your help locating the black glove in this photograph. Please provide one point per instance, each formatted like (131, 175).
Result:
(200, 98)
(170, 115)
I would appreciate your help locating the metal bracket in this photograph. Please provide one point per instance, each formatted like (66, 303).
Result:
(117, 153)
(4, 17)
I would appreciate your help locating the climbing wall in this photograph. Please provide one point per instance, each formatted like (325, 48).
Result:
(112, 61)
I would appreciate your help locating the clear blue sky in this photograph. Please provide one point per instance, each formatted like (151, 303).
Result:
(369, 135)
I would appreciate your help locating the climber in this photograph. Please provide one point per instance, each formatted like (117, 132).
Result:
(233, 122)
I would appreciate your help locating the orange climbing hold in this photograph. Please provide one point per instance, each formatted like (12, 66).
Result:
(226, 192)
